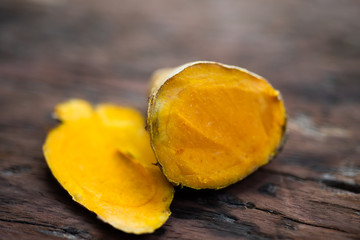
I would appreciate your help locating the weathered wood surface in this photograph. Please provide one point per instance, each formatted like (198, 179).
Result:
(52, 50)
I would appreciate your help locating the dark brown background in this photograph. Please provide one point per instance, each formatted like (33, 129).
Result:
(105, 51)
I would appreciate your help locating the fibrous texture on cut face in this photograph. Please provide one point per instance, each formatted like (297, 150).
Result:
(212, 125)
(103, 158)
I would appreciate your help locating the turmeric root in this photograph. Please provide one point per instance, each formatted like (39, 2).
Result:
(103, 158)
(212, 124)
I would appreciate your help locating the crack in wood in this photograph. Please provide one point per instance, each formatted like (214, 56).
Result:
(232, 201)
(221, 223)
(337, 184)
(27, 222)
(334, 205)
(270, 171)
(297, 220)
(16, 170)
(10, 201)
(227, 199)
(354, 188)
(268, 189)
(68, 233)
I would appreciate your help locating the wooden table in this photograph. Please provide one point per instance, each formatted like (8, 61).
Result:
(105, 51)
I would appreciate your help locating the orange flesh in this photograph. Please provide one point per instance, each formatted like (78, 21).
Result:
(212, 125)
(103, 158)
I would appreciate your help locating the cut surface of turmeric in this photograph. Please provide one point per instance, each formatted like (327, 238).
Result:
(212, 124)
(102, 157)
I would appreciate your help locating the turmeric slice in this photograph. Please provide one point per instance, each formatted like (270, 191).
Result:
(212, 124)
(102, 157)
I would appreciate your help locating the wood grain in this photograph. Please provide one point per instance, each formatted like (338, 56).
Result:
(105, 51)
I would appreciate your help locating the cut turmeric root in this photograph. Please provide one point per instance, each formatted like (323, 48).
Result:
(103, 158)
(211, 124)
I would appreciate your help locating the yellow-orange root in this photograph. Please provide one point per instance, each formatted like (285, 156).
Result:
(103, 158)
(211, 124)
